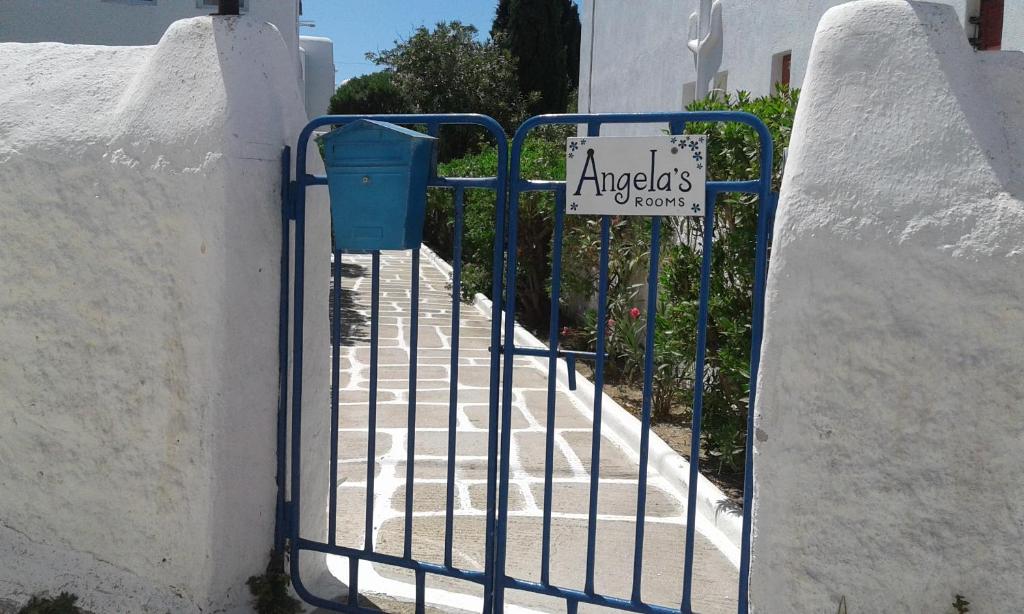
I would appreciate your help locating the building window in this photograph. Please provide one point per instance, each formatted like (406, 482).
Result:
(990, 25)
(213, 4)
(782, 69)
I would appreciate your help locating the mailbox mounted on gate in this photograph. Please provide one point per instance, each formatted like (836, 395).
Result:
(377, 177)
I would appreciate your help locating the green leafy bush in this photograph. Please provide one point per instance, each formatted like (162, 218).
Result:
(62, 604)
(961, 605)
(733, 154)
(448, 69)
(270, 593)
(543, 157)
(370, 94)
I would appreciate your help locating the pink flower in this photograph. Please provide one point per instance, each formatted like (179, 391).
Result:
(566, 331)
(611, 323)
(634, 313)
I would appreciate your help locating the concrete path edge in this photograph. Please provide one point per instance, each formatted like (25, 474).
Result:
(618, 424)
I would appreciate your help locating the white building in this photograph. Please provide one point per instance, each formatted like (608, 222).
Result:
(143, 22)
(634, 55)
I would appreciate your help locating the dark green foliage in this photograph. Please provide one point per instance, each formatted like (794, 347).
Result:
(447, 70)
(544, 38)
(369, 94)
(270, 591)
(62, 604)
(733, 154)
(733, 151)
(500, 24)
(961, 605)
(543, 157)
(572, 37)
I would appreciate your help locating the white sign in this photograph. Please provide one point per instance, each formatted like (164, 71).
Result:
(626, 175)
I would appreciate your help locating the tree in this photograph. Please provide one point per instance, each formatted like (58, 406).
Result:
(544, 37)
(369, 94)
(500, 25)
(448, 70)
(572, 36)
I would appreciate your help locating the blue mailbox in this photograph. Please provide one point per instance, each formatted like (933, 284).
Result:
(377, 177)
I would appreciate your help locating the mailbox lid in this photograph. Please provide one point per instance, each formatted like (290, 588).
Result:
(368, 142)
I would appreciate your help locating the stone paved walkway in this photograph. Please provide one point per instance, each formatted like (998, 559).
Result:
(715, 576)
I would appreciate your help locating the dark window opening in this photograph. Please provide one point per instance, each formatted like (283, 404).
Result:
(782, 69)
(990, 25)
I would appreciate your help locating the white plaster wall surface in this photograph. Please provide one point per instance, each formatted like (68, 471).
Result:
(124, 22)
(319, 74)
(139, 261)
(1013, 25)
(888, 424)
(641, 62)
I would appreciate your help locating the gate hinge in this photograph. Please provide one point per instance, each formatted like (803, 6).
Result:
(289, 204)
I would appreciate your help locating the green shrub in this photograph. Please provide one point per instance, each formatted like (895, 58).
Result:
(543, 157)
(270, 591)
(62, 604)
(961, 605)
(368, 95)
(733, 154)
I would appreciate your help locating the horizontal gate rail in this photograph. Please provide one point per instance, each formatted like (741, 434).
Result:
(298, 544)
(766, 201)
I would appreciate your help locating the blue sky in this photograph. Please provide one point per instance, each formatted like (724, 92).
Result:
(358, 26)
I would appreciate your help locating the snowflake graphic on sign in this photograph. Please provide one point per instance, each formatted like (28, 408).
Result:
(617, 175)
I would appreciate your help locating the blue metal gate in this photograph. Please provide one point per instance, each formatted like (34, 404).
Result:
(507, 184)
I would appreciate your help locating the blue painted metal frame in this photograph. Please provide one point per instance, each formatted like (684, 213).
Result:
(295, 206)
(766, 206)
(493, 578)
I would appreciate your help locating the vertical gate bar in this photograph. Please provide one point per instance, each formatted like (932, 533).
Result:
(595, 446)
(645, 428)
(371, 427)
(453, 390)
(332, 505)
(572, 606)
(549, 443)
(414, 320)
(353, 582)
(421, 582)
(282, 350)
(298, 306)
(501, 189)
(508, 358)
(698, 397)
(506, 408)
(767, 203)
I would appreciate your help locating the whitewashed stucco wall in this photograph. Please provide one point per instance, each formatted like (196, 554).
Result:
(123, 22)
(641, 61)
(140, 263)
(1013, 26)
(318, 73)
(889, 424)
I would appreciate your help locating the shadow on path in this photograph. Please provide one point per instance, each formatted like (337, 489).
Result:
(354, 325)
